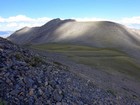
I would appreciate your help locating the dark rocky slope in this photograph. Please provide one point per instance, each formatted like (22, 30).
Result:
(26, 79)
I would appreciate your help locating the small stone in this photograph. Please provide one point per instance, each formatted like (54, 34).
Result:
(48, 91)
(1, 65)
(21, 93)
(64, 103)
(60, 91)
(48, 102)
(68, 79)
(46, 83)
(53, 83)
(8, 81)
(58, 97)
(40, 91)
(29, 82)
(31, 92)
(58, 103)
(31, 101)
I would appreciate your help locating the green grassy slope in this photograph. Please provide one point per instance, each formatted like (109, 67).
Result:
(107, 59)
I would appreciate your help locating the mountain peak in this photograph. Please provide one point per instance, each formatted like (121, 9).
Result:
(56, 21)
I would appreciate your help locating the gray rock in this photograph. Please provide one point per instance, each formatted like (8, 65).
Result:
(48, 91)
(58, 103)
(57, 97)
(31, 100)
(46, 83)
(40, 92)
(64, 103)
(31, 91)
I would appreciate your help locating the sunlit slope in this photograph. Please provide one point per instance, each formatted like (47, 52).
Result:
(106, 59)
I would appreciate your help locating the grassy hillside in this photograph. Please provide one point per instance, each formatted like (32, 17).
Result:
(107, 59)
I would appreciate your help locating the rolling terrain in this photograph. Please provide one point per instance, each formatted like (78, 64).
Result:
(107, 59)
(29, 78)
(102, 34)
(105, 45)
(117, 64)
(103, 52)
(107, 68)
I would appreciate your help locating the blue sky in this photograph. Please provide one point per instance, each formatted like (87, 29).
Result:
(70, 8)
(15, 14)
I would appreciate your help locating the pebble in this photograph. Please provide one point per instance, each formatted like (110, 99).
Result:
(58, 103)
(31, 92)
(57, 97)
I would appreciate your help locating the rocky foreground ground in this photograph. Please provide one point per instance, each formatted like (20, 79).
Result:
(27, 79)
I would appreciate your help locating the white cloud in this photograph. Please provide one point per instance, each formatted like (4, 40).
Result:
(131, 20)
(12, 25)
(23, 18)
(1, 19)
(19, 18)
(16, 22)
(89, 19)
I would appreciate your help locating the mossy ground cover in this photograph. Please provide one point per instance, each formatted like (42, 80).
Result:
(107, 59)
(2, 102)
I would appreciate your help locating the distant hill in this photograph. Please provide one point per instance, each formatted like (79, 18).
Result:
(36, 34)
(104, 34)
